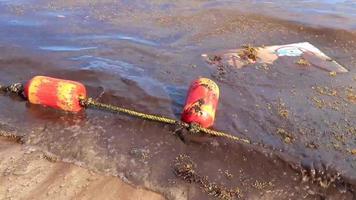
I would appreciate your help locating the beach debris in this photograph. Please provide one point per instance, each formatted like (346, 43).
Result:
(226, 173)
(186, 169)
(351, 95)
(312, 145)
(16, 138)
(332, 74)
(319, 103)
(282, 109)
(50, 156)
(319, 173)
(10, 133)
(324, 90)
(308, 55)
(248, 53)
(303, 62)
(287, 137)
(140, 153)
(262, 185)
(335, 98)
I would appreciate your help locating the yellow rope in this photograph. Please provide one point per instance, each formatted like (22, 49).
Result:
(222, 134)
(89, 102)
(17, 88)
(94, 104)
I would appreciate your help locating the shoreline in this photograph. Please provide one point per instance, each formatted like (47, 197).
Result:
(145, 61)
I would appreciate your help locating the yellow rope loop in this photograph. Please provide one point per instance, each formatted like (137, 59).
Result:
(90, 102)
(222, 134)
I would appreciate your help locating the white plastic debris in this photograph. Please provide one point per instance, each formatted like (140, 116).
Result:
(240, 57)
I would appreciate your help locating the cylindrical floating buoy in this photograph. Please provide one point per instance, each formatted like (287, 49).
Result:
(201, 103)
(55, 93)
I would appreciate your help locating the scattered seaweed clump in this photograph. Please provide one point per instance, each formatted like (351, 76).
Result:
(332, 74)
(303, 62)
(325, 91)
(50, 157)
(218, 62)
(320, 103)
(248, 53)
(265, 67)
(283, 113)
(261, 185)
(351, 96)
(9, 133)
(337, 99)
(141, 154)
(214, 58)
(312, 145)
(282, 109)
(185, 169)
(228, 174)
(287, 137)
(13, 137)
(320, 174)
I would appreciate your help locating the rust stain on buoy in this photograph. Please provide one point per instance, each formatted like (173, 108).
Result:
(201, 103)
(55, 93)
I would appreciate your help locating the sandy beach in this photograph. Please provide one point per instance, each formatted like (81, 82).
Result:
(26, 173)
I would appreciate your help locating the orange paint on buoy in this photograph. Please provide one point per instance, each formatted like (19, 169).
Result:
(201, 103)
(55, 93)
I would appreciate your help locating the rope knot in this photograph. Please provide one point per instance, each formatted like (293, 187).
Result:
(85, 102)
(194, 128)
(16, 88)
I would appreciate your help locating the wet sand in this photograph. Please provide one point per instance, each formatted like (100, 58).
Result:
(26, 173)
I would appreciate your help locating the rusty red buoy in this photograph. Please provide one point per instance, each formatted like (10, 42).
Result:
(55, 93)
(201, 103)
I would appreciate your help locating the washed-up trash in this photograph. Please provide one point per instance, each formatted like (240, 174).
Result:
(307, 53)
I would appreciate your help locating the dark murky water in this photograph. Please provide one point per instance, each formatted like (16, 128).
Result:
(144, 54)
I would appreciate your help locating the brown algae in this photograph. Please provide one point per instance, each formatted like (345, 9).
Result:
(248, 53)
(303, 62)
(185, 169)
(287, 137)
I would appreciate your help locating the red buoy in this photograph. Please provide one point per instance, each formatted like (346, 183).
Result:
(55, 93)
(201, 103)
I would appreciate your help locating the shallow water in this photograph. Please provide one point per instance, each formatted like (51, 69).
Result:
(144, 54)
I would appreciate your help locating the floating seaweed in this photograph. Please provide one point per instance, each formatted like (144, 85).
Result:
(10, 134)
(303, 62)
(282, 109)
(248, 53)
(332, 74)
(287, 137)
